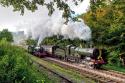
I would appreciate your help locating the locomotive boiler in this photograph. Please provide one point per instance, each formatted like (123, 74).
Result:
(91, 57)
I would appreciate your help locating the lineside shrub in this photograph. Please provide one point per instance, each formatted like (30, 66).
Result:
(15, 66)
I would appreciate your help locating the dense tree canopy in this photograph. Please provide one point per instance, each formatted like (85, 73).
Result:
(107, 21)
(7, 35)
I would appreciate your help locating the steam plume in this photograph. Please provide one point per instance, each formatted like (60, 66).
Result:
(55, 25)
(48, 26)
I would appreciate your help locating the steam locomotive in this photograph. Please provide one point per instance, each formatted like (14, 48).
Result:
(91, 57)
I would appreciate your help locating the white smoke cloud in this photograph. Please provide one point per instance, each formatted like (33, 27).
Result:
(48, 26)
(54, 25)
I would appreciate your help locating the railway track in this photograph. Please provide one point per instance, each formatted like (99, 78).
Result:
(116, 74)
(63, 78)
(101, 76)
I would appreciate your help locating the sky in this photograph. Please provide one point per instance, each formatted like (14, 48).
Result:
(12, 20)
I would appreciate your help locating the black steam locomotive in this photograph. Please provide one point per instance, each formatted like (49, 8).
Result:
(91, 57)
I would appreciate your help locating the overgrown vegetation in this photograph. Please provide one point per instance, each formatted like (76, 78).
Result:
(16, 67)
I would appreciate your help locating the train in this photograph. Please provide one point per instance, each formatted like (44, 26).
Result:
(90, 57)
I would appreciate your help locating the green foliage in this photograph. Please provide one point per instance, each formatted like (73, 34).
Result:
(114, 59)
(32, 5)
(53, 40)
(106, 21)
(15, 66)
(113, 67)
(30, 41)
(5, 34)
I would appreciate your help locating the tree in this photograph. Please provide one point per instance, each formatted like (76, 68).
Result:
(7, 35)
(30, 41)
(60, 41)
(106, 20)
(32, 5)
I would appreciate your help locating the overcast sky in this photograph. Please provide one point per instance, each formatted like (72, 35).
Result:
(11, 20)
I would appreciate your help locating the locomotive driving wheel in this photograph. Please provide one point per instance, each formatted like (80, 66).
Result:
(77, 58)
(91, 65)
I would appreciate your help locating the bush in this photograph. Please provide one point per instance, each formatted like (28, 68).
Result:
(15, 66)
(114, 59)
(7, 35)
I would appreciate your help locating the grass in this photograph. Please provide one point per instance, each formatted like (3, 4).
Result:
(70, 73)
(115, 68)
(51, 77)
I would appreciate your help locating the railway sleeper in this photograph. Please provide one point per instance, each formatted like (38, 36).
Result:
(88, 74)
(98, 79)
